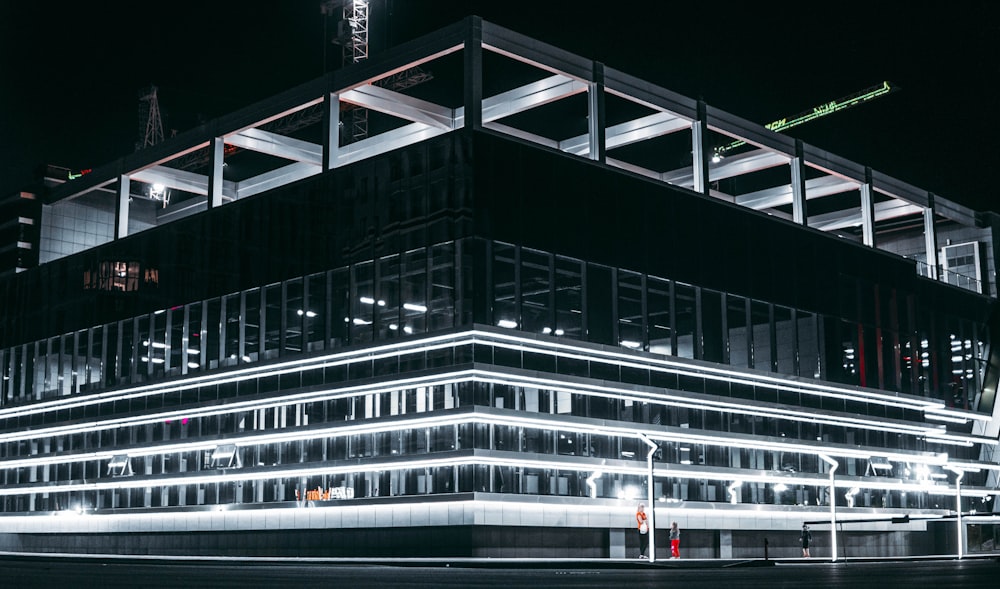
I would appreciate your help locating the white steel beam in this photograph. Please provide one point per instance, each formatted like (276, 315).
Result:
(641, 129)
(782, 195)
(526, 135)
(400, 105)
(737, 165)
(383, 142)
(173, 178)
(853, 217)
(530, 96)
(278, 177)
(277, 145)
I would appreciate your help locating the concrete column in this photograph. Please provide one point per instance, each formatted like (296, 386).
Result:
(616, 543)
(217, 152)
(473, 65)
(798, 168)
(331, 128)
(868, 210)
(699, 150)
(930, 238)
(595, 114)
(725, 544)
(121, 212)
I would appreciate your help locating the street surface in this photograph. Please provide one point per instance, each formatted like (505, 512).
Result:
(23, 572)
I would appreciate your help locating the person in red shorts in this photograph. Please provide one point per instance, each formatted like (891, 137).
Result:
(675, 541)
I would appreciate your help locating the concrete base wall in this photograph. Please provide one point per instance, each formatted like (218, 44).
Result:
(475, 541)
(785, 544)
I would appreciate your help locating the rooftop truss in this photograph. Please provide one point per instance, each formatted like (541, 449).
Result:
(773, 173)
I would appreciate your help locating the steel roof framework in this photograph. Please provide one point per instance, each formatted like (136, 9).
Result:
(812, 173)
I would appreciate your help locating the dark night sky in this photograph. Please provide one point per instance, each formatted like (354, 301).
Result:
(70, 73)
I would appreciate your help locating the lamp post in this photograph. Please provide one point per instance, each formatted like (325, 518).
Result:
(649, 495)
(833, 505)
(959, 473)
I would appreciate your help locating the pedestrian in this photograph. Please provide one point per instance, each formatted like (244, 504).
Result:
(675, 541)
(640, 519)
(805, 538)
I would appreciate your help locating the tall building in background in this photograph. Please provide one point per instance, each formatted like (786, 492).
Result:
(527, 300)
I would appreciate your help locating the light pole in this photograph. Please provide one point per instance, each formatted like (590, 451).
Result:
(833, 505)
(649, 495)
(959, 473)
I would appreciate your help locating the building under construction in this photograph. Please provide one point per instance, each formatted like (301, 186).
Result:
(534, 293)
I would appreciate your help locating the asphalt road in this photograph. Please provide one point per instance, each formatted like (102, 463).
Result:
(73, 573)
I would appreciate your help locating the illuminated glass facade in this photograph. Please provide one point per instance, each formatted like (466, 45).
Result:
(470, 336)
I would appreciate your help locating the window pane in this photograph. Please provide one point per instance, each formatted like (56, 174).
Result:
(784, 333)
(684, 301)
(231, 331)
(630, 316)
(272, 321)
(739, 340)
(364, 303)
(387, 298)
(809, 351)
(442, 306)
(504, 288)
(760, 317)
(315, 313)
(569, 300)
(294, 315)
(195, 344)
(251, 325)
(658, 308)
(536, 311)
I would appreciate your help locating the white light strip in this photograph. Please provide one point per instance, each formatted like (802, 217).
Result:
(480, 376)
(472, 460)
(966, 415)
(690, 369)
(682, 401)
(293, 399)
(450, 340)
(489, 418)
(936, 417)
(232, 406)
(448, 378)
(230, 376)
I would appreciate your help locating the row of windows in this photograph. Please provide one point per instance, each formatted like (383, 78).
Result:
(391, 297)
(523, 480)
(420, 442)
(446, 396)
(541, 293)
(429, 289)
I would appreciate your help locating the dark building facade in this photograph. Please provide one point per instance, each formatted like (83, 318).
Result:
(528, 300)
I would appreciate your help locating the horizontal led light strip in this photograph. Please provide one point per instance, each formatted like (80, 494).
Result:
(232, 406)
(477, 415)
(429, 381)
(464, 338)
(475, 460)
(230, 376)
(477, 376)
(681, 401)
(722, 374)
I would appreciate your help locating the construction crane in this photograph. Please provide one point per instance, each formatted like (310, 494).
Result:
(351, 18)
(150, 122)
(352, 36)
(827, 108)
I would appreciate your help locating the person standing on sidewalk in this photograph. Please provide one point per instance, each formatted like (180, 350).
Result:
(675, 541)
(643, 527)
(805, 538)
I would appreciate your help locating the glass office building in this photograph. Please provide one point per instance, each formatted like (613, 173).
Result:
(487, 315)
